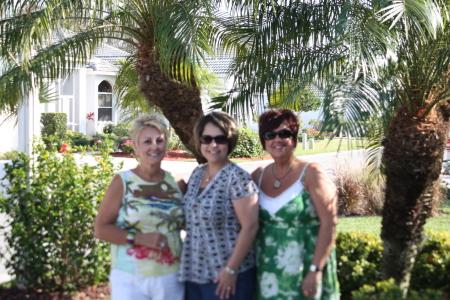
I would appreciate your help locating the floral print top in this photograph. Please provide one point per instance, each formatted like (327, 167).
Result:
(212, 226)
(149, 207)
(285, 247)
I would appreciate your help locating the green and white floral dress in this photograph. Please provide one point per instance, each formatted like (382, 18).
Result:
(286, 240)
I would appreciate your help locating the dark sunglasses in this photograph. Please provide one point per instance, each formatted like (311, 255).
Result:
(283, 134)
(207, 139)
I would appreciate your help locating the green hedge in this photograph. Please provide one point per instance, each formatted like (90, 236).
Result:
(359, 262)
(248, 145)
(51, 201)
(54, 124)
(388, 290)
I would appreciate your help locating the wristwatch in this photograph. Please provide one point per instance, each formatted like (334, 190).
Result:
(229, 270)
(314, 268)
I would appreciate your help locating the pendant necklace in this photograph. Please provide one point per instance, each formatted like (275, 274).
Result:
(208, 177)
(277, 182)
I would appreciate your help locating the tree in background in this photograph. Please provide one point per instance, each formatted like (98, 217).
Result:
(168, 39)
(382, 62)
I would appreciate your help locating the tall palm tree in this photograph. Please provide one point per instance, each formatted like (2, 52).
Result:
(169, 39)
(379, 61)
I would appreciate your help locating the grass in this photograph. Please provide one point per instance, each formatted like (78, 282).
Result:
(320, 147)
(335, 145)
(368, 224)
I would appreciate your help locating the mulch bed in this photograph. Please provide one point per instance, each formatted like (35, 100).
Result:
(95, 292)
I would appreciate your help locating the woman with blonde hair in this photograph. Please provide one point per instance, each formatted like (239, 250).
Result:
(141, 217)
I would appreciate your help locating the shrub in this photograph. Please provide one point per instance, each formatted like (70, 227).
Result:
(432, 267)
(54, 124)
(85, 142)
(74, 135)
(315, 134)
(359, 264)
(359, 260)
(122, 130)
(358, 193)
(248, 145)
(9, 155)
(388, 290)
(51, 202)
(174, 143)
(108, 128)
(127, 147)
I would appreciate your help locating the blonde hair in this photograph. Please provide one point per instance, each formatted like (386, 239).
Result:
(147, 120)
(224, 122)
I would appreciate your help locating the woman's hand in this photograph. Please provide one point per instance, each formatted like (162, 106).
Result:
(226, 284)
(152, 239)
(310, 284)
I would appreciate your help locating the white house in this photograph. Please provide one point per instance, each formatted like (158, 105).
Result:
(87, 99)
(86, 90)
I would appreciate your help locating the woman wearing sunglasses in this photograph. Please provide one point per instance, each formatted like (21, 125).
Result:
(298, 203)
(221, 213)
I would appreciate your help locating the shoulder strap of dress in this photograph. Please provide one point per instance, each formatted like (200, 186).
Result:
(260, 176)
(302, 176)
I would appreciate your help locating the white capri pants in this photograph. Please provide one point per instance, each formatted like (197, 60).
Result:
(126, 286)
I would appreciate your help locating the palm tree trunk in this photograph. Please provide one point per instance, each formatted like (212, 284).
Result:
(180, 104)
(420, 142)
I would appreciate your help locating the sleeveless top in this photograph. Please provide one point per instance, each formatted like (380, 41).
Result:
(149, 207)
(285, 245)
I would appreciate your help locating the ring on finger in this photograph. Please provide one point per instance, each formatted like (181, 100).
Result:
(229, 288)
(163, 244)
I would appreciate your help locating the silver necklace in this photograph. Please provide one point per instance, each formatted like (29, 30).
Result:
(208, 177)
(277, 182)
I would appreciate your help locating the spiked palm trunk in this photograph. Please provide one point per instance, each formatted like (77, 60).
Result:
(180, 104)
(411, 140)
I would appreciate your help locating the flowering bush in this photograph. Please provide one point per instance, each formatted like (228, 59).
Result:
(127, 147)
(65, 148)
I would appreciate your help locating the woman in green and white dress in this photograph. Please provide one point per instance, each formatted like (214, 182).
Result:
(298, 217)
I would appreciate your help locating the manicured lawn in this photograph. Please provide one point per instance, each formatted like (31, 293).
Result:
(335, 145)
(320, 147)
(373, 224)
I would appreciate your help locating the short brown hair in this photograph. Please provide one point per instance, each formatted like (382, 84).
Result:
(273, 118)
(148, 120)
(224, 122)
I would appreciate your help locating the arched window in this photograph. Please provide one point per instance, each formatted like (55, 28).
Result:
(104, 101)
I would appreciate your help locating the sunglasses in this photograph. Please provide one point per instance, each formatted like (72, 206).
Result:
(283, 134)
(207, 139)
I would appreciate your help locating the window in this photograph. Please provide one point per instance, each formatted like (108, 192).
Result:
(104, 102)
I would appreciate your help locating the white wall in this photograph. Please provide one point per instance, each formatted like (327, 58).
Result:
(10, 135)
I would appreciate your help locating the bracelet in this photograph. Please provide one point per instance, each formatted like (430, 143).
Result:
(130, 237)
(230, 271)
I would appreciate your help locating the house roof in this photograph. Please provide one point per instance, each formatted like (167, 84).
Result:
(110, 54)
(220, 63)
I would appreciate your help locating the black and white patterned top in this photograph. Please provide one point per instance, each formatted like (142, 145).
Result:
(212, 226)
